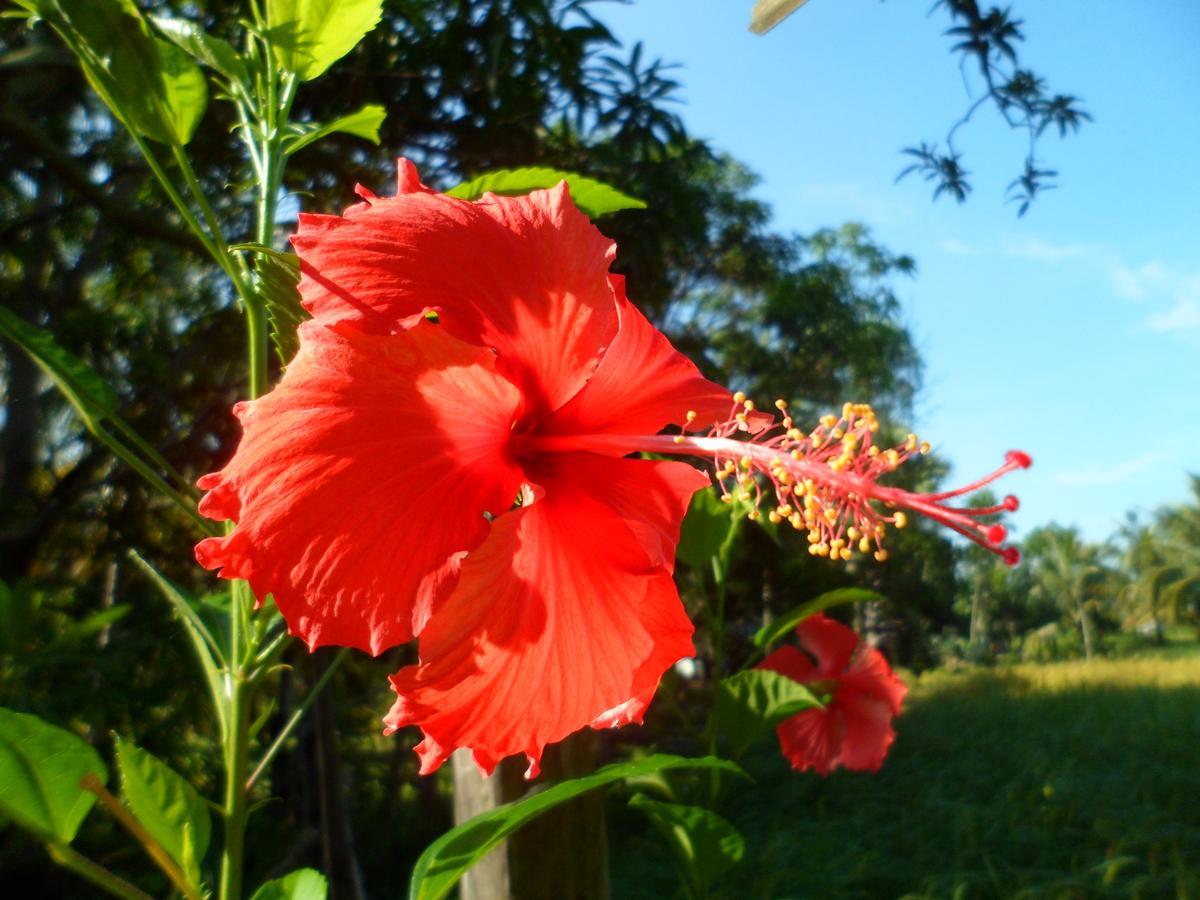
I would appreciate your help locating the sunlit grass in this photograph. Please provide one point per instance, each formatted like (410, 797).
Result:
(1061, 780)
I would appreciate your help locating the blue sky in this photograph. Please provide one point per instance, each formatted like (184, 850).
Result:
(1073, 333)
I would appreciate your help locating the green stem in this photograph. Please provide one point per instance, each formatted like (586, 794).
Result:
(283, 735)
(153, 848)
(94, 872)
(235, 807)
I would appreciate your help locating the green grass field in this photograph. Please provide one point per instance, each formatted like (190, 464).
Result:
(1059, 780)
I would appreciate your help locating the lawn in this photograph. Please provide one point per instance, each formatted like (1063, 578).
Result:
(1058, 780)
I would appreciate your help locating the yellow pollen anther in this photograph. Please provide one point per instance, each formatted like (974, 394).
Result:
(795, 434)
(781, 404)
(925, 447)
(741, 417)
(679, 439)
(797, 521)
(893, 458)
(816, 441)
(754, 516)
(727, 498)
(836, 434)
(787, 422)
(830, 515)
(739, 397)
(749, 405)
(864, 545)
(691, 415)
(874, 451)
(852, 533)
(900, 519)
(881, 555)
(774, 517)
(747, 463)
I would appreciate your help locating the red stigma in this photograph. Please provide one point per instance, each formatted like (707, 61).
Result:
(1018, 458)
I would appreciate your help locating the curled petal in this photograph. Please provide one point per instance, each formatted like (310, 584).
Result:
(525, 275)
(362, 479)
(641, 384)
(565, 617)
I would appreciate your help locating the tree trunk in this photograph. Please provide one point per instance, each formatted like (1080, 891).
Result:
(561, 855)
(1085, 626)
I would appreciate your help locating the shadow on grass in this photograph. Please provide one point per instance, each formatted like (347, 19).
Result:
(999, 785)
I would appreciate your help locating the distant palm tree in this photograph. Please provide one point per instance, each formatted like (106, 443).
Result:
(1072, 573)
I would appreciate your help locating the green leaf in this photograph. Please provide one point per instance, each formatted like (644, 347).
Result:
(594, 197)
(448, 858)
(152, 86)
(308, 36)
(783, 626)
(709, 524)
(40, 769)
(84, 389)
(750, 704)
(83, 629)
(363, 123)
(166, 805)
(206, 49)
(705, 844)
(204, 647)
(303, 884)
(278, 280)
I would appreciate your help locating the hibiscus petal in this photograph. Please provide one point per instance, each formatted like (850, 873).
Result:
(566, 616)
(361, 480)
(869, 697)
(812, 739)
(868, 731)
(792, 662)
(526, 275)
(831, 642)
(641, 385)
(870, 674)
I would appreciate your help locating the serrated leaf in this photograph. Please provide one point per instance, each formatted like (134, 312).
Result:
(783, 626)
(40, 769)
(448, 858)
(706, 845)
(308, 36)
(303, 884)
(278, 285)
(166, 805)
(151, 85)
(92, 398)
(363, 123)
(750, 704)
(593, 197)
(207, 49)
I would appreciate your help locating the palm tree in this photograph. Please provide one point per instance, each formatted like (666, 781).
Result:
(1071, 573)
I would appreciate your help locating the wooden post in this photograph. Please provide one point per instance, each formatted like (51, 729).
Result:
(561, 855)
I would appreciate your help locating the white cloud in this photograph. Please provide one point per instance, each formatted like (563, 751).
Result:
(850, 201)
(1174, 292)
(1040, 250)
(955, 247)
(1106, 475)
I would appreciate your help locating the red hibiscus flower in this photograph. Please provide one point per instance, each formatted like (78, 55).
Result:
(446, 457)
(389, 486)
(854, 729)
